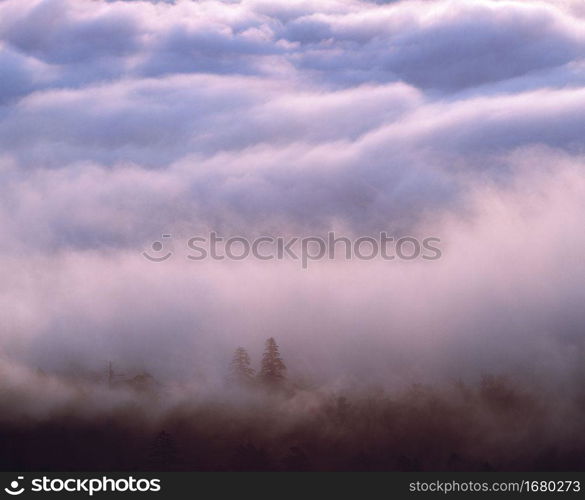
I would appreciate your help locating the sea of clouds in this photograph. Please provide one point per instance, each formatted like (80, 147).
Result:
(121, 121)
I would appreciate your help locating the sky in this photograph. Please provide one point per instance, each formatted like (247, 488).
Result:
(121, 121)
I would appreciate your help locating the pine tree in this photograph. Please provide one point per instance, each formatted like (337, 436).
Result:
(240, 369)
(273, 368)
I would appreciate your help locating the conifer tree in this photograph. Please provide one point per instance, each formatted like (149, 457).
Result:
(273, 367)
(240, 369)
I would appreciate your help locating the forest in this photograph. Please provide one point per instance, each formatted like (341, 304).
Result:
(263, 420)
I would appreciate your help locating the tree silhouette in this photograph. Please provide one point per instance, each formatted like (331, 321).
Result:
(296, 460)
(240, 369)
(248, 457)
(273, 368)
(163, 451)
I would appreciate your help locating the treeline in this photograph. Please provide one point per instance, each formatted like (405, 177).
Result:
(493, 425)
(270, 422)
(272, 373)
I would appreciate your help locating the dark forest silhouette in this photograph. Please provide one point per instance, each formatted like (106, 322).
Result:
(495, 424)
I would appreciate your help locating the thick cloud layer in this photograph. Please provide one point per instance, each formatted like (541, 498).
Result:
(124, 120)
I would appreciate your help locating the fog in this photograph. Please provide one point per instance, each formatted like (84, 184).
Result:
(122, 121)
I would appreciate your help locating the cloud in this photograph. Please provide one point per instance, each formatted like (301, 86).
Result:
(121, 121)
(444, 46)
(505, 293)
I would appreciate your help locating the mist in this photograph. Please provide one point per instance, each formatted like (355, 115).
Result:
(123, 121)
